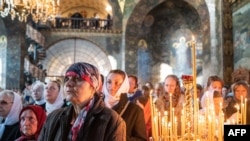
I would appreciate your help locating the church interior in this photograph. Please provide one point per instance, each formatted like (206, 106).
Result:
(151, 39)
(148, 38)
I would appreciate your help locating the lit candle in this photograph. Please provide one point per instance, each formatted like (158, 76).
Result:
(245, 115)
(166, 123)
(159, 124)
(175, 127)
(182, 123)
(156, 128)
(209, 128)
(237, 114)
(241, 109)
(171, 116)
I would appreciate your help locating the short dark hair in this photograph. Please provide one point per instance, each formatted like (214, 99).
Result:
(198, 86)
(135, 78)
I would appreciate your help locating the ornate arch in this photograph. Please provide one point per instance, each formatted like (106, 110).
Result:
(65, 52)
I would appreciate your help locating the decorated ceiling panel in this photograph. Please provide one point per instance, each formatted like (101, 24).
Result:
(68, 7)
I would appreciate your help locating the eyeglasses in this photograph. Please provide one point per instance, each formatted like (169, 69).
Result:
(3, 102)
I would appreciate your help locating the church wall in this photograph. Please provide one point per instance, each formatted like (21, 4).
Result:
(14, 70)
(3, 54)
(184, 18)
(241, 35)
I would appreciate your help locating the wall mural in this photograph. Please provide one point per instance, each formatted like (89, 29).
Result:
(241, 33)
(155, 31)
(3, 47)
(3, 50)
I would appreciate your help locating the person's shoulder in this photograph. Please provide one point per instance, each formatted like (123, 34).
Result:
(134, 106)
(107, 112)
(58, 112)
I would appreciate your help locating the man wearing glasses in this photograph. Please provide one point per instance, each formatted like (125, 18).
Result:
(10, 107)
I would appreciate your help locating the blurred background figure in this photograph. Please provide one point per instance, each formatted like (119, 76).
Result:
(134, 92)
(225, 91)
(108, 23)
(31, 120)
(199, 93)
(240, 90)
(158, 90)
(38, 89)
(144, 103)
(27, 93)
(10, 107)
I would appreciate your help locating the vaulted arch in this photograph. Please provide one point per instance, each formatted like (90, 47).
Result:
(68, 51)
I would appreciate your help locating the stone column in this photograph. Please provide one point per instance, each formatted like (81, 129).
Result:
(15, 53)
(227, 41)
(214, 64)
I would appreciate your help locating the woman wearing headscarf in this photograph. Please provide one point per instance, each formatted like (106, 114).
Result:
(10, 107)
(240, 94)
(31, 118)
(38, 89)
(54, 96)
(115, 89)
(214, 82)
(87, 118)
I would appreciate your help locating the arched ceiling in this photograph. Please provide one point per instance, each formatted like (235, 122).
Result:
(72, 6)
(64, 53)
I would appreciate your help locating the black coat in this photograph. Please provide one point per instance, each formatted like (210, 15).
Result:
(11, 132)
(134, 118)
(101, 124)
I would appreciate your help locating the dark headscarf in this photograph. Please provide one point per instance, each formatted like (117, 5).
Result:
(86, 71)
(41, 117)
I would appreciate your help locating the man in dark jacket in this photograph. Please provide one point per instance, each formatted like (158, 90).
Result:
(87, 119)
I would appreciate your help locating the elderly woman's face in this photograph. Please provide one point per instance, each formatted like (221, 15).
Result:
(114, 82)
(28, 122)
(6, 103)
(37, 93)
(77, 90)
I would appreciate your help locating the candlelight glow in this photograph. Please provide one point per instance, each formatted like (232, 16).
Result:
(194, 124)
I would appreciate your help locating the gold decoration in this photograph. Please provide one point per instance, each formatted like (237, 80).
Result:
(41, 10)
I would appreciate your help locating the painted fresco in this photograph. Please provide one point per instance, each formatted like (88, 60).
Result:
(241, 33)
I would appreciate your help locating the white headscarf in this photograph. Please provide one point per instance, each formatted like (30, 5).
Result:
(110, 100)
(207, 98)
(39, 84)
(50, 107)
(13, 116)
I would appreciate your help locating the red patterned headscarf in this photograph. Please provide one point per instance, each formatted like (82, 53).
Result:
(86, 71)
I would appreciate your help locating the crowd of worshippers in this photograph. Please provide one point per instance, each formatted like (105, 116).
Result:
(88, 106)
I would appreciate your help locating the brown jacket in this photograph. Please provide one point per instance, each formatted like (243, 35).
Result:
(101, 124)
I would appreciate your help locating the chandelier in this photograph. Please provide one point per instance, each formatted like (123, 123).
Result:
(41, 10)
